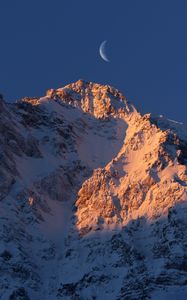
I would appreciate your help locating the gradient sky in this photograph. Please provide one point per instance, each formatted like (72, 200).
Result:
(50, 43)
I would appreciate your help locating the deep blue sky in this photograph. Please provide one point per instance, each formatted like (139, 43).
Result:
(50, 43)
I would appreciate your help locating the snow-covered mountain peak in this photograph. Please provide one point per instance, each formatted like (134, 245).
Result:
(96, 99)
(93, 198)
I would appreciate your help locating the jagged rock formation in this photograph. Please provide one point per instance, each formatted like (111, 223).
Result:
(93, 198)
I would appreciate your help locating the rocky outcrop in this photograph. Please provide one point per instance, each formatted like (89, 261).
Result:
(146, 178)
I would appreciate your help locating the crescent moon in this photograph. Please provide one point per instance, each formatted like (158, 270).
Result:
(102, 51)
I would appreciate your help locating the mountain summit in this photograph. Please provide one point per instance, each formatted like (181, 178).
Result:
(93, 198)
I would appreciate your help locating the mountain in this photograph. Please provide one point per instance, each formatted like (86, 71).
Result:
(93, 198)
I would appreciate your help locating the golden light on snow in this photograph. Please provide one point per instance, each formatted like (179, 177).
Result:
(31, 201)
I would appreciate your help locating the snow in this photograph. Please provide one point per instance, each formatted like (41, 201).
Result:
(102, 143)
(170, 295)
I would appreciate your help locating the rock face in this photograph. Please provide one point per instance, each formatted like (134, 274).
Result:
(93, 198)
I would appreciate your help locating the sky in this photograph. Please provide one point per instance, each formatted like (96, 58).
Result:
(50, 43)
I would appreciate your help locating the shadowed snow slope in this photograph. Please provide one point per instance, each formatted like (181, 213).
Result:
(93, 198)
